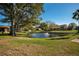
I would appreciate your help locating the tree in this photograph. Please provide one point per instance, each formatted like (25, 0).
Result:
(76, 17)
(36, 10)
(19, 14)
(8, 11)
(63, 27)
(72, 26)
(32, 25)
(53, 26)
(44, 26)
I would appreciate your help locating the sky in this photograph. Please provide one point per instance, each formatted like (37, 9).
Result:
(59, 13)
(3, 24)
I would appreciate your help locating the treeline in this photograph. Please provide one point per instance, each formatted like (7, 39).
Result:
(44, 26)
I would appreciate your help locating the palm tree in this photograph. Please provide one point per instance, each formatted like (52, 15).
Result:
(76, 17)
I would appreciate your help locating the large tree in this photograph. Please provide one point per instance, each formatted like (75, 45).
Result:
(76, 17)
(19, 14)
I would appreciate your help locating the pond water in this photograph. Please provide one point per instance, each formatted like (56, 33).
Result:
(48, 34)
(42, 35)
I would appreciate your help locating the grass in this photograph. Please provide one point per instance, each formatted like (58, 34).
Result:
(48, 47)
(39, 47)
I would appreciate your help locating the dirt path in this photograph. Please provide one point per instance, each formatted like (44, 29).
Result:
(15, 38)
(75, 40)
(22, 38)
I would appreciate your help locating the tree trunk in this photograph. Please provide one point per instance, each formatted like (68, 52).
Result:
(17, 28)
(12, 29)
(2, 30)
(78, 27)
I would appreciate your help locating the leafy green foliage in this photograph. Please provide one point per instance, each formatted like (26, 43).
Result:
(18, 14)
(63, 27)
(76, 17)
(44, 26)
(72, 26)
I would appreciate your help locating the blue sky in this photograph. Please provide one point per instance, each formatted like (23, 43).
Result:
(60, 13)
(3, 24)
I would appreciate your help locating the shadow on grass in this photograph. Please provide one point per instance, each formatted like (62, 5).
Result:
(58, 38)
(4, 35)
(70, 36)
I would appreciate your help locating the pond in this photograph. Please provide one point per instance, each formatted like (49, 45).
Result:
(48, 34)
(42, 35)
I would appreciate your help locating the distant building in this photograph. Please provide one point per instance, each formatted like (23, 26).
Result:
(4, 28)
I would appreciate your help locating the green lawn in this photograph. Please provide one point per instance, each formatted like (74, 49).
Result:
(38, 46)
(49, 47)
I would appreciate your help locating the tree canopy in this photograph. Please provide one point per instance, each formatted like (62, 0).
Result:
(18, 14)
(76, 17)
